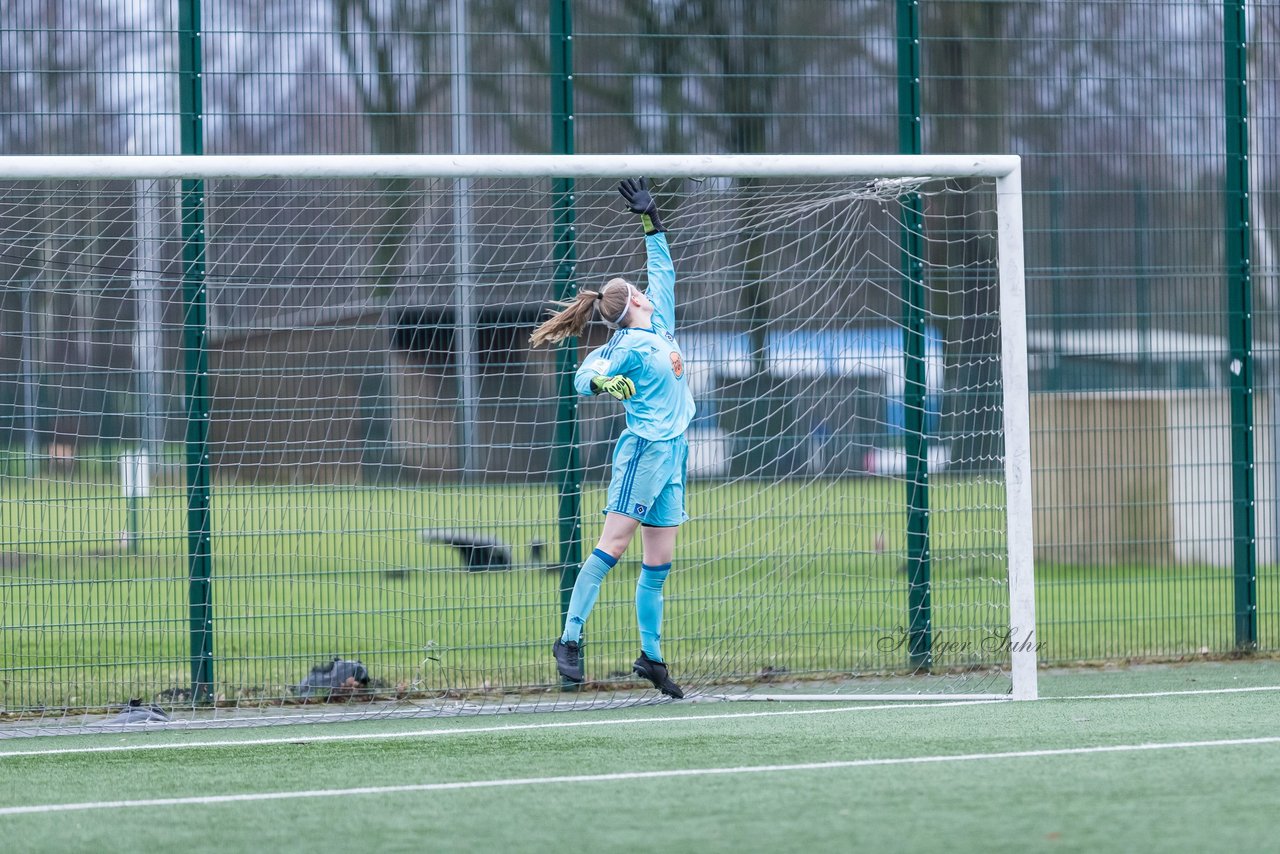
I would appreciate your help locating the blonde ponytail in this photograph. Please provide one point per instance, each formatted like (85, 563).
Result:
(568, 322)
(572, 318)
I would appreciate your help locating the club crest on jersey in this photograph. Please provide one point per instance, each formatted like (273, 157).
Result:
(677, 364)
(641, 510)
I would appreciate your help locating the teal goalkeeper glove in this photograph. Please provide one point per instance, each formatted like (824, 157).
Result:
(640, 200)
(620, 387)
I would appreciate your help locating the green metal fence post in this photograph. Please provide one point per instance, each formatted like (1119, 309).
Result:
(914, 327)
(565, 253)
(195, 356)
(1238, 241)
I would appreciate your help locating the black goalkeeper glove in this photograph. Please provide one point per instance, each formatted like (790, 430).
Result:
(620, 387)
(640, 201)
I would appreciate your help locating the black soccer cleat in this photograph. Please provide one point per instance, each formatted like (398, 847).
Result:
(569, 660)
(656, 672)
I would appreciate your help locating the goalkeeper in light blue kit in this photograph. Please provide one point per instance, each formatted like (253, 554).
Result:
(641, 365)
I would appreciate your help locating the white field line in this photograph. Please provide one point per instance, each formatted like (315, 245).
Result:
(549, 725)
(1184, 693)
(629, 775)
(810, 698)
(475, 730)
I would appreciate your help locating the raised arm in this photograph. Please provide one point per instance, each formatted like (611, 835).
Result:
(661, 272)
(662, 280)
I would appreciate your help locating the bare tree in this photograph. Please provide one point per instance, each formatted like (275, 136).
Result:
(965, 103)
(54, 99)
(393, 57)
(263, 84)
(393, 52)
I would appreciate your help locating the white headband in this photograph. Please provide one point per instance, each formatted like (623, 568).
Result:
(616, 324)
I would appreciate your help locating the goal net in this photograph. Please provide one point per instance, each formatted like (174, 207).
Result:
(274, 445)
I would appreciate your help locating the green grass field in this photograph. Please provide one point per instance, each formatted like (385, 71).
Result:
(1168, 758)
(801, 577)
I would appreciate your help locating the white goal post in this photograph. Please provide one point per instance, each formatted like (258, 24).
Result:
(818, 465)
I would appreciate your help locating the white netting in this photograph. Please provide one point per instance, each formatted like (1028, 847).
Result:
(386, 458)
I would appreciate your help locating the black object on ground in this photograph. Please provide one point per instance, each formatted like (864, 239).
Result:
(481, 552)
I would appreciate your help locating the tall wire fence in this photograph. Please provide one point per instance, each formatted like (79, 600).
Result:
(1156, 405)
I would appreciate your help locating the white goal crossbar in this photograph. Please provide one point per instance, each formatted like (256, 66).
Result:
(509, 166)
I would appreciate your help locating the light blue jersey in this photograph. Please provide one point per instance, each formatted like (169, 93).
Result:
(662, 406)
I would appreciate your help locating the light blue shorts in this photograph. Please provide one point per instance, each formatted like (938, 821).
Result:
(648, 480)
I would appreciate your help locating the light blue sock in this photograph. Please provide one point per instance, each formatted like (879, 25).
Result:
(585, 591)
(649, 607)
